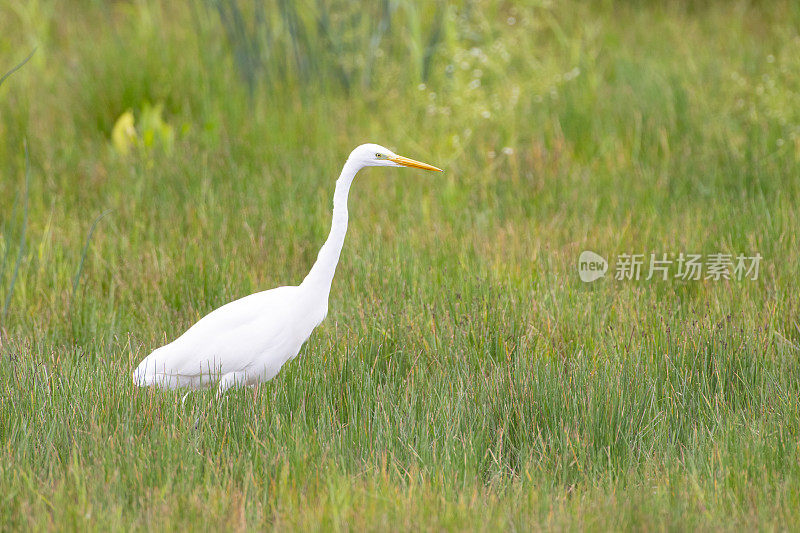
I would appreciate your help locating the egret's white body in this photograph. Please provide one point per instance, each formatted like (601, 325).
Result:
(247, 341)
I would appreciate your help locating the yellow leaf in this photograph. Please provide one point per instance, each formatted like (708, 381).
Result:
(123, 136)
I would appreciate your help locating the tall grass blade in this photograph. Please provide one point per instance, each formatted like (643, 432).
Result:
(21, 250)
(16, 68)
(77, 278)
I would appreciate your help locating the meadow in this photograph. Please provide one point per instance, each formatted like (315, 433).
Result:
(465, 378)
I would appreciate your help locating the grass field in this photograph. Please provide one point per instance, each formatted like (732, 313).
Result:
(465, 377)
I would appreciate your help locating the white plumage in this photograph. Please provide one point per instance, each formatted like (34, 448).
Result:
(248, 340)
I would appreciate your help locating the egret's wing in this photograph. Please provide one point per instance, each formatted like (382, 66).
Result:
(244, 334)
(263, 304)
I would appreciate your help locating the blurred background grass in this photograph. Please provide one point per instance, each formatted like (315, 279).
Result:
(465, 375)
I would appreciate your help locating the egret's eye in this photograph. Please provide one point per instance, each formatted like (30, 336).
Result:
(378, 156)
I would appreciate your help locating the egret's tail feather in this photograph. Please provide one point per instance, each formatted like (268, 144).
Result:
(148, 375)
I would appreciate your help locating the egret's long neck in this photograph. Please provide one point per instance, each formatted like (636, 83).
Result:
(321, 275)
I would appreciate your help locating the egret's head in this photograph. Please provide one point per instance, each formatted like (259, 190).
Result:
(375, 155)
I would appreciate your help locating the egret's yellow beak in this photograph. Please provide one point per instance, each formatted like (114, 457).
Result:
(406, 162)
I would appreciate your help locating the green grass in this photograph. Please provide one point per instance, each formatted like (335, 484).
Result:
(465, 377)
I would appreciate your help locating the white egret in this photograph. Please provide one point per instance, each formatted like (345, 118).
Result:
(247, 341)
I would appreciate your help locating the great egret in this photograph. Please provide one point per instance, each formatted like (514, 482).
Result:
(247, 341)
